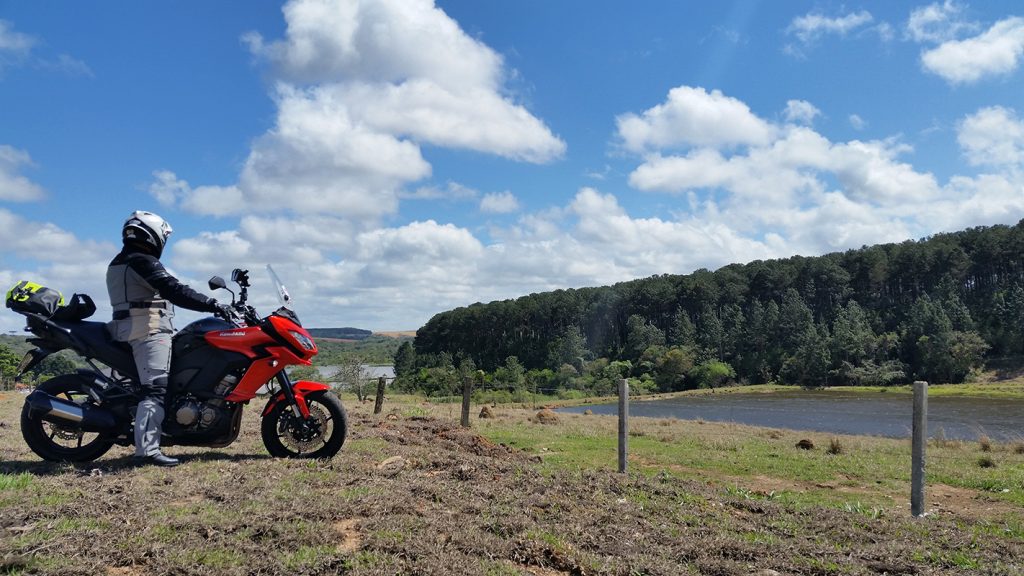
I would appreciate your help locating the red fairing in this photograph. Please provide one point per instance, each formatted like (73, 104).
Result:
(273, 345)
(288, 331)
(242, 340)
(300, 388)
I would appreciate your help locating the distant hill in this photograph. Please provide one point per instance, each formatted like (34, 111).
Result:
(16, 344)
(397, 334)
(340, 333)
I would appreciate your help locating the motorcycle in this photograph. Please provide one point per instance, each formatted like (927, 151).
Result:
(218, 365)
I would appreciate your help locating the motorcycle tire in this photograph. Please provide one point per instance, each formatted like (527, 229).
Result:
(56, 442)
(288, 436)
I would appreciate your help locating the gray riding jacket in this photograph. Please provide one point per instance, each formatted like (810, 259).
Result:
(142, 292)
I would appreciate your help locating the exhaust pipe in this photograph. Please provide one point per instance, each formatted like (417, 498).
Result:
(53, 409)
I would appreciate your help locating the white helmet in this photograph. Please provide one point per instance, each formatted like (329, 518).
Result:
(147, 229)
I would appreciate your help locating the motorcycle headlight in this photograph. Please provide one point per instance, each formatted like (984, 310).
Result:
(304, 340)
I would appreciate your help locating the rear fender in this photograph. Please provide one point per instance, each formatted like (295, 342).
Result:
(300, 389)
(32, 359)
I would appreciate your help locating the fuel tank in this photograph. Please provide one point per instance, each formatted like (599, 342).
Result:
(197, 367)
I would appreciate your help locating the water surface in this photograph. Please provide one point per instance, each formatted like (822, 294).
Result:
(866, 413)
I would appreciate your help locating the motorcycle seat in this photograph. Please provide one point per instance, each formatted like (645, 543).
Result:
(97, 341)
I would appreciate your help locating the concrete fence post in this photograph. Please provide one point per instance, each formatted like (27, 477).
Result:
(623, 423)
(920, 441)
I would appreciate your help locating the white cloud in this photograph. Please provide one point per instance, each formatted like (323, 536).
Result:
(13, 44)
(406, 68)
(499, 203)
(798, 160)
(319, 158)
(693, 116)
(17, 48)
(474, 118)
(383, 42)
(937, 22)
(360, 87)
(871, 171)
(68, 65)
(14, 186)
(985, 199)
(801, 112)
(47, 242)
(857, 123)
(167, 188)
(993, 136)
(452, 191)
(811, 27)
(170, 191)
(801, 193)
(995, 52)
(201, 252)
(885, 31)
(424, 250)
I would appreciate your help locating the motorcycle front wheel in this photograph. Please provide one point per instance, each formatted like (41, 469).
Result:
(321, 436)
(63, 442)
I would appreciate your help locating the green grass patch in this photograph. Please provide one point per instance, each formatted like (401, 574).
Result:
(306, 557)
(14, 482)
(873, 471)
(366, 560)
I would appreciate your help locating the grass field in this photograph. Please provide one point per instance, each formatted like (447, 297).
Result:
(412, 493)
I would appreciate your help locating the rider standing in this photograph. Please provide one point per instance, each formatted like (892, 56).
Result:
(142, 293)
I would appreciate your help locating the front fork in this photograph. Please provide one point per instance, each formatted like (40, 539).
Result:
(294, 393)
(298, 404)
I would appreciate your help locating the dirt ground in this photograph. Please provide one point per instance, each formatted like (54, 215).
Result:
(416, 495)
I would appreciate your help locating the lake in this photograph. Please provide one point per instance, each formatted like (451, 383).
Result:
(865, 413)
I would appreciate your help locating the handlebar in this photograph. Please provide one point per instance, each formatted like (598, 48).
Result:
(241, 315)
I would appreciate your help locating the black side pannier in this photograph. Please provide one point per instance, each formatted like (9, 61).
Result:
(35, 298)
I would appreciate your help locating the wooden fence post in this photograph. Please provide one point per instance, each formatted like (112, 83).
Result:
(920, 440)
(379, 402)
(623, 423)
(467, 391)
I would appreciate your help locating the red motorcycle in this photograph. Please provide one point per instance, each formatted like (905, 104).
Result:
(218, 365)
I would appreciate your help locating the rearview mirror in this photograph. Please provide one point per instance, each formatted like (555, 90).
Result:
(217, 283)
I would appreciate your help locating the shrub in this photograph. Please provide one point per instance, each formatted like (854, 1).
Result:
(835, 446)
(985, 443)
(712, 374)
(986, 462)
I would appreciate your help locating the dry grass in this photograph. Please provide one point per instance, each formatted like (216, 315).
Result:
(411, 493)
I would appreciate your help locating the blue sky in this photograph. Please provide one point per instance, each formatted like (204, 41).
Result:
(396, 158)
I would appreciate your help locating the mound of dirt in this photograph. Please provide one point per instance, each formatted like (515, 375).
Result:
(546, 416)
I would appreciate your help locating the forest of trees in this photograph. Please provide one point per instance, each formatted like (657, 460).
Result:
(932, 309)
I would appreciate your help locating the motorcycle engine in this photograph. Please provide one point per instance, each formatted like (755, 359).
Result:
(193, 414)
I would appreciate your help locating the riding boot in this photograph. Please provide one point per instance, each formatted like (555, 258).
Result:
(149, 417)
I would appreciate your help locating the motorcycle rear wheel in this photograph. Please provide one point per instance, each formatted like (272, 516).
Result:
(59, 442)
(289, 436)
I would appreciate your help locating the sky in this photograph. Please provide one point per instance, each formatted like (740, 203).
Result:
(393, 159)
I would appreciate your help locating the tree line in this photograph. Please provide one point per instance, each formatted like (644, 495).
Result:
(932, 309)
